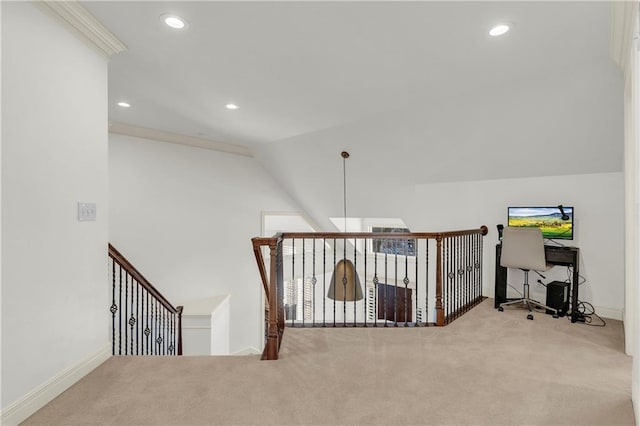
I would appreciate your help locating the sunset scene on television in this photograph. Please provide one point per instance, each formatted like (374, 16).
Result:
(548, 219)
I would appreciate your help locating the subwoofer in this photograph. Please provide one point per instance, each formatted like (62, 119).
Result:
(558, 297)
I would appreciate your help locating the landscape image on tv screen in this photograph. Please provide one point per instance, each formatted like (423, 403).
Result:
(548, 219)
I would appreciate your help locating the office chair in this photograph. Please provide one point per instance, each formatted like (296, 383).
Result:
(523, 248)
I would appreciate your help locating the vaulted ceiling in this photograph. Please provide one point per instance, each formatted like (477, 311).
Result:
(418, 92)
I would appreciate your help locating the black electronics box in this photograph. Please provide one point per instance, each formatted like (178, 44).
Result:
(558, 297)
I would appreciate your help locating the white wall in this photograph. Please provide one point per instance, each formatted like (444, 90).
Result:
(54, 154)
(185, 217)
(598, 200)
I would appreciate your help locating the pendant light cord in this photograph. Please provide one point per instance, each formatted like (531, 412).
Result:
(344, 190)
(344, 155)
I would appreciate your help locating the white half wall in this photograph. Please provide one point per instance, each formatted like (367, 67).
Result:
(185, 217)
(598, 200)
(54, 154)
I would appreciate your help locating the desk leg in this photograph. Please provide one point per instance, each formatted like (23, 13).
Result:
(574, 291)
(500, 284)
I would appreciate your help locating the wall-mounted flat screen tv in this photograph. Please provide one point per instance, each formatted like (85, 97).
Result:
(555, 222)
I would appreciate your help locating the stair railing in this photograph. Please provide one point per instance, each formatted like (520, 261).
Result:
(395, 274)
(143, 321)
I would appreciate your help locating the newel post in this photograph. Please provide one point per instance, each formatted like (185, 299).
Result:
(439, 308)
(179, 311)
(271, 351)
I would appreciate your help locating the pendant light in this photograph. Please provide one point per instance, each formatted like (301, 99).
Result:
(345, 283)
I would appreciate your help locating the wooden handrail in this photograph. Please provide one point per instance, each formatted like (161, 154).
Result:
(257, 243)
(120, 259)
(382, 235)
(266, 241)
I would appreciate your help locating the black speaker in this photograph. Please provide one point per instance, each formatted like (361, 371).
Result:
(558, 297)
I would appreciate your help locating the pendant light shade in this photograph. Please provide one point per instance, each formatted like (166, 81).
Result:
(345, 283)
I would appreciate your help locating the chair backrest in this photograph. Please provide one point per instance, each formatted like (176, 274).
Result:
(523, 248)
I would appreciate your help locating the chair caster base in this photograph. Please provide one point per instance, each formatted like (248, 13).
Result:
(500, 308)
(555, 316)
(530, 317)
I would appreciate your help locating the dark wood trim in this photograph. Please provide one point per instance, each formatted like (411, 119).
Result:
(273, 335)
(179, 312)
(257, 251)
(382, 235)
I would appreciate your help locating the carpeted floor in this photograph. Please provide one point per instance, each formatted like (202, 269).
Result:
(487, 368)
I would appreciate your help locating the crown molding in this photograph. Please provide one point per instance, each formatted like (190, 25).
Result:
(75, 17)
(624, 15)
(160, 135)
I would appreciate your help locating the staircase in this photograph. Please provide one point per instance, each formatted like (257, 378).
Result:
(143, 322)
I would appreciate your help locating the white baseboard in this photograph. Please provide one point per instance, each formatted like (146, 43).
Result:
(24, 407)
(248, 351)
(610, 313)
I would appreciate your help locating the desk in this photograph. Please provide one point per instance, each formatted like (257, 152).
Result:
(561, 256)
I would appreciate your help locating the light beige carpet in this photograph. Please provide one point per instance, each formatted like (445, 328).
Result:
(485, 368)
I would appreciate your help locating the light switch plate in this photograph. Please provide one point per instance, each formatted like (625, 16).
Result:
(86, 212)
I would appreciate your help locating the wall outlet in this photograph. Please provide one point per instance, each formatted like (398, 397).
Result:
(86, 212)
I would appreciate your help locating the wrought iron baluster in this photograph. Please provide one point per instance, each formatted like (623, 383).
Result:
(314, 280)
(126, 312)
(355, 274)
(344, 281)
(463, 266)
(474, 260)
(480, 263)
(450, 277)
(156, 326)
(405, 280)
(293, 301)
(324, 282)
(456, 278)
(386, 287)
(395, 283)
(477, 264)
(333, 284)
(417, 285)
(120, 313)
(454, 281)
(458, 283)
(173, 334)
(138, 318)
(426, 280)
(163, 329)
(375, 288)
(469, 275)
(304, 279)
(147, 330)
(114, 307)
(132, 319)
(364, 284)
(464, 259)
(464, 275)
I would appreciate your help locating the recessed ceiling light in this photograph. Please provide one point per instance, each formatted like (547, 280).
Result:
(174, 21)
(231, 106)
(124, 104)
(498, 30)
